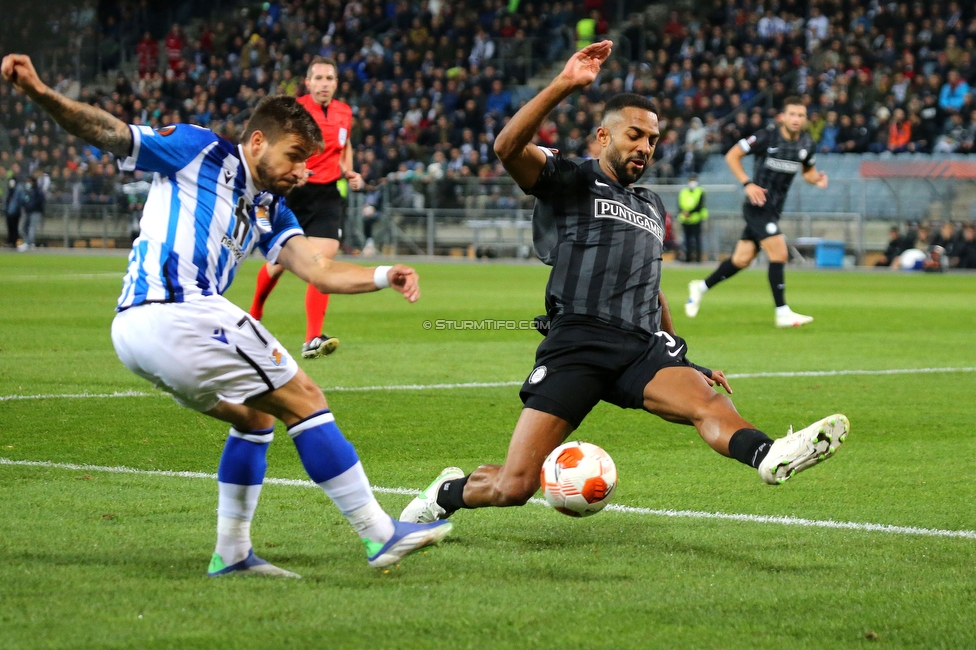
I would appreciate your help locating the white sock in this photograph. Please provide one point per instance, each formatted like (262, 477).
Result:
(702, 286)
(784, 310)
(352, 495)
(235, 510)
(233, 539)
(371, 522)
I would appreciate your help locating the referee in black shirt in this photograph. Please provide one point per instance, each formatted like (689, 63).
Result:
(781, 151)
(611, 336)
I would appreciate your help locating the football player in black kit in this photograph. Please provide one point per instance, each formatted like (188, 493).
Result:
(781, 151)
(611, 337)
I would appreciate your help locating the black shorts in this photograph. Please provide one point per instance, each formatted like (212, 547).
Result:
(760, 224)
(320, 209)
(583, 361)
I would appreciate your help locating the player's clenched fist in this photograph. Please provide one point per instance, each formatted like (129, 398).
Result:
(18, 70)
(404, 280)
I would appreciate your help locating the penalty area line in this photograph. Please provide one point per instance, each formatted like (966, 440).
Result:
(498, 384)
(622, 509)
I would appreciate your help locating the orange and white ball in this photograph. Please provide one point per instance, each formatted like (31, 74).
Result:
(578, 479)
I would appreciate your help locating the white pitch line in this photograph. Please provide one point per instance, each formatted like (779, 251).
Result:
(162, 472)
(124, 393)
(471, 384)
(496, 384)
(685, 514)
(837, 373)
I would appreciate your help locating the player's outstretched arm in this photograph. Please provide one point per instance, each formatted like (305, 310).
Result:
(513, 146)
(329, 276)
(91, 124)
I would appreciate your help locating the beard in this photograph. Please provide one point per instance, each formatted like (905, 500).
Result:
(619, 166)
(265, 178)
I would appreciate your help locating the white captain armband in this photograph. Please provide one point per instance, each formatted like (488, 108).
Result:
(381, 277)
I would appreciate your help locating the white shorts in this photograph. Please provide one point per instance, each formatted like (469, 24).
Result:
(202, 351)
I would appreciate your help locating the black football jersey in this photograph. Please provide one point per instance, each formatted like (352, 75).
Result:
(778, 160)
(603, 241)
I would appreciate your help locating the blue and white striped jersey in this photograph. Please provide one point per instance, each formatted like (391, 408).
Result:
(203, 216)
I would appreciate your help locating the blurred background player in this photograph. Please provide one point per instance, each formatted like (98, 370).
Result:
(319, 204)
(691, 213)
(175, 329)
(781, 151)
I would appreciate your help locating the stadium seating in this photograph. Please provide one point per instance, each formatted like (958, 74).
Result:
(433, 82)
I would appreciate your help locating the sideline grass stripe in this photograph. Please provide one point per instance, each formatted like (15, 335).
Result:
(497, 384)
(685, 514)
(64, 276)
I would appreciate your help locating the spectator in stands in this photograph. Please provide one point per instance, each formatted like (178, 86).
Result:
(899, 132)
(948, 238)
(175, 42)
(953, 93)
(829, 134)
(586, 30)
(499, 101)
(966, 259)
(147, 52)
(895, 247)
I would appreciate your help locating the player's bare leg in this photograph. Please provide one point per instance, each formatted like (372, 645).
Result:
(682, 395)
(317, 343)
(745, 252)
(778, 254)
(512, 484)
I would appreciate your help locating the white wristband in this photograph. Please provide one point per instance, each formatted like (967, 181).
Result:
(381, 278)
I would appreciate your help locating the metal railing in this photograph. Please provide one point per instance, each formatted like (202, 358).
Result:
(412, 221)
(87, 226)
(493, 216)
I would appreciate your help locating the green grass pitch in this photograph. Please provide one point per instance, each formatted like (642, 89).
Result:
(92, 559)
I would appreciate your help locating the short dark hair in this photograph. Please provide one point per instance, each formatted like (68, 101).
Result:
(792, 100)
(280, 115)
(321, 60)
(628, 100)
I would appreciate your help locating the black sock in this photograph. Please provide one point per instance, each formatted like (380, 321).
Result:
(451, 495)
(749, 446)
(724, 271)
(777, 282)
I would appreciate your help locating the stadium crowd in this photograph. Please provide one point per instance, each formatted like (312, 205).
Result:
(432, 82)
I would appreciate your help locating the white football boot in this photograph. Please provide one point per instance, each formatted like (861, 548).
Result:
(800, 450)
(789, 318)
(696, 289)
(424, 509)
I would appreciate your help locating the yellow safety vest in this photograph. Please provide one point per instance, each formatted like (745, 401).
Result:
(688, 199)
(585, 33)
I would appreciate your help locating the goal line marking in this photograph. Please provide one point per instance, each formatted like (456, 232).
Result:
(497, 384)
(684, 514)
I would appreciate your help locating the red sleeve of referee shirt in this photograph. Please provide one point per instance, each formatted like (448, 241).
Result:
(335, 122)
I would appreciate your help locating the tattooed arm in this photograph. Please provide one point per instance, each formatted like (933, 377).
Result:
(91, 124)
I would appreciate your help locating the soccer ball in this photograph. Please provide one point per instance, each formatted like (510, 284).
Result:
(578, 479)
